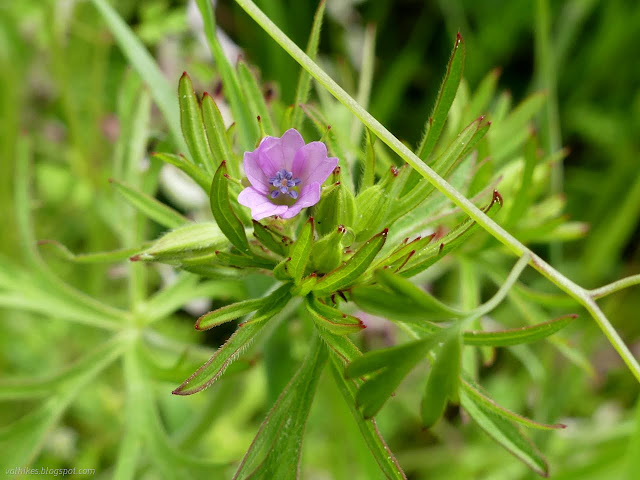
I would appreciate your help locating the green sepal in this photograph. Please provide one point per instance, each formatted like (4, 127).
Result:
(326, 253)
(301, 251)
(268, 240)
(336, 207)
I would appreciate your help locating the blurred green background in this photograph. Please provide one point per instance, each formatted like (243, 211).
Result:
(60, 78)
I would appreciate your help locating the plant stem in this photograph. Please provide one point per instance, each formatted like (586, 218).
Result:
(614, 287)
(572, 289)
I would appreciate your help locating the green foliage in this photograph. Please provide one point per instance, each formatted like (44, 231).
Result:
(381, 242)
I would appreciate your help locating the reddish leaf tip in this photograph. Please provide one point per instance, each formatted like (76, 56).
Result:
(111, 180)
(259, 119)
(496, 197)
(134, 258)
(384, 232)
(184, 74)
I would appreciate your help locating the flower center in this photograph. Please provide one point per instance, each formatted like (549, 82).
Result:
(283, 183)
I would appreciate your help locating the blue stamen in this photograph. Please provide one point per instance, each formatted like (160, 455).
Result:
(282, 181)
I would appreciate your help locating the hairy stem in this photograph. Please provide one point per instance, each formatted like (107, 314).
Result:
(580, 294)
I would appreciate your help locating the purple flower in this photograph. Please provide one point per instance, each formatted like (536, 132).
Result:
(285, 175)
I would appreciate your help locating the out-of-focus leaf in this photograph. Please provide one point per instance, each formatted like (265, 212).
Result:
(275, 451)
(193, 126)
(95, 257)
(149, 206)
(253, 95)
(343, 351)
(247, 126)
(517, 336)
(163, 94)
(443, 380)
(332, 319)
(187, 167)
(480, 397)
(505, 433)
(213, 369)
(408, 291)
(304, 80)
(447, 93)
(223, 212)
(350, 271)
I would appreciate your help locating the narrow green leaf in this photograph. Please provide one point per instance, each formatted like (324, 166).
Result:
(504, 433)
(301, 251)
(443, 380)
(304, 80)
(193, 126)
(370, 210)
(517, 336)
(149, 206)
(383, 303)
(332, 319)
(94, 257)
(276, 449)
(475, 391)
(350, 271)
(140, 59)
(254, 261)
(253, 95)
(342, 351)
(447, 93)
(368, 174)
(187, 241)
(213, 369)
(227, 313)
(405, 289)
(374, 392)
(216, 132)
(223, 212)
(247, 126)
(197, 175)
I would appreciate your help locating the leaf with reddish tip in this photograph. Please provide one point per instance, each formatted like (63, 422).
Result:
(447, 93)
(346, 274)
(223, 212)
(213, 369)
(475, 391)
(193, 126)
(518, 336)
(505, 433)
(228, 313)
(331, 318)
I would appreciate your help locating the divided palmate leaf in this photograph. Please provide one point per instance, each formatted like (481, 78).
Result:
(237, 343)
(223, 212)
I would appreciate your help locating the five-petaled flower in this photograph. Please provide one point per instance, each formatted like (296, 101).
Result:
(285, 175)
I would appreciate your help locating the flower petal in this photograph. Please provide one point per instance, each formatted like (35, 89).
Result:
(259, 204)
(309, 195)
(278, 153)
(311, 163)
(254, 172)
